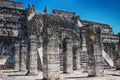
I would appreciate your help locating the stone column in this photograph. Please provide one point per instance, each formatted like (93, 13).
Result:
(32, 68)
(23, 55)
(118, 56)
(51, 62)
(98, 60)
(68, 56)
(95, 62)
(78, 65)
(83, 53)
(118, 64)
(117, 50)
(91, 60)
(76, 58)
(17, 56)
(98, 47)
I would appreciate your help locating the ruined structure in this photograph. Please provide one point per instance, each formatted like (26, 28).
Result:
(37, 41)
(12, 29)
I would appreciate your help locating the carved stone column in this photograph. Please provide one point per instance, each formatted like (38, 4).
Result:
(23, 55)
(78, 66)
(91, 60)
(67, 56)
(118, 56)
(32, 68)
(51, 62)
(95, 62)
(98, 60)
(83, 53)
(17, 56)
(118, 64)
(76, 58)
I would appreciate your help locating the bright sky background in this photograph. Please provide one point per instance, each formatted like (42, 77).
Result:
(103, 11)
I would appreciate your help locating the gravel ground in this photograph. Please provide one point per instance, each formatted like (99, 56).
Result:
(76, 75)
(12, 75)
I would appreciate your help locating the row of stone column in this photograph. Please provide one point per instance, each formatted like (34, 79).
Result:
(20, 55)
(51, 66)
(51, 63)
(71, 56)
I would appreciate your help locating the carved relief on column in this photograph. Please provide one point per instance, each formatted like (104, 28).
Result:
(118, 57)
(98, 54)
(78, 65)
(91, 60)
(76, 57)
(67, 56)
(23, 55)
(51, 63)
(84, 54)
(98, 60)
(95, 62)
(117, 50)
(17, 56)
(32, 68)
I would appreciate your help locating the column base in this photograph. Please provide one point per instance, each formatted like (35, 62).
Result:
(67, 72)
(51, 76)
(117, 68)
(51, 79)
(17, 69)
(91, 75)
(23, 70)
(32, 73)
(95, 72)
(118, 64)
(78, 68)
(91, 72)
(99, 72)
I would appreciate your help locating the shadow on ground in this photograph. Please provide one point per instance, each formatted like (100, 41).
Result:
(16, 75)
(114, 74)
(76, 77)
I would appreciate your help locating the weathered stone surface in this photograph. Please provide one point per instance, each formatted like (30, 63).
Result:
(23, 55)
(10, 4)
(32, 68)
(51, 63)
(17, 57)
(95, 59)
(76, 56)
(27, 30)
(68, 56)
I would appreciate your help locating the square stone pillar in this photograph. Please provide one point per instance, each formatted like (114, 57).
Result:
(83, 51)
(95, 61)
(118, 56)
(118, 64)
(67, 56)
(51, 62)
(76, 57)
(23, 55)
(91, 61)
(17, 56)
(78, 65)
(32, 68)
(99, 67)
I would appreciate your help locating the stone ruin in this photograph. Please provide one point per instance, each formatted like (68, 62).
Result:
(38, 41)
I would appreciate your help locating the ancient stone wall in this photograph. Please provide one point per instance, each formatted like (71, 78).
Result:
(11, 4)
(63, 36)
